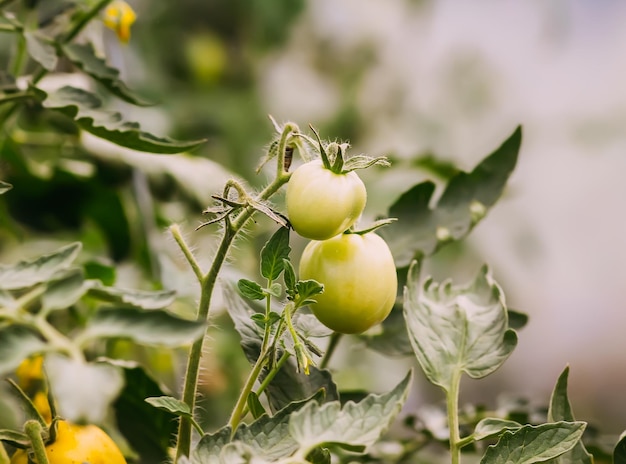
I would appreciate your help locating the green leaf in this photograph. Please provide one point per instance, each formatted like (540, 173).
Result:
(86, 109)
(84, 391)
(28, 273)
(276, 289)
(517, 319)
(18, 342)
(363, 162)
(457, 329)
(355, 426)
(170, 404)
(144, 299)
(619, 453)
(490, 427)
(422, 230)
(14, 438)
(155, 327)
(307, 289)
(147, 429)
(250, 289)
(561, 410)
(84, 57)
(255, 406)
(274, 252)
(531, 444)
(66, 289)
(41, 50)
(105, 273)
(290, 278)
(5, 187)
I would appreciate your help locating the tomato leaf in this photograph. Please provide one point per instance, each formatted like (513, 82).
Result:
(490, 427)
(307, 289)
(561, 410)
(170, 404)
(455, 329)
(41, 50)
(290, 279)
(84, 391)
(250, 289)
(5, 187)
(17, 343)
(255, 406)
(86, 109)
(275, 250)
(84, 57)
(531, 444)
(421, 229)
(155, 327)
(137, 298)
(619, 453)
(41, 269)
(353, 426)
(65, 289)
(147, 429)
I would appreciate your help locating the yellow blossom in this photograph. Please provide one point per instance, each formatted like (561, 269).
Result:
(119, 16)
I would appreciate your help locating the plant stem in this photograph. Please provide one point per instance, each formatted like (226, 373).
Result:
(80, 25)
(269, 377)
(452, 402)
(334, 341)
(33, 430)
(191, 259)
(237, 414)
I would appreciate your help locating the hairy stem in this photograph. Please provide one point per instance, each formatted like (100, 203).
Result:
(191, 259)
(33, 430)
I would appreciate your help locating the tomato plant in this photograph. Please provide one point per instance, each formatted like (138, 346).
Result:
(359, 278)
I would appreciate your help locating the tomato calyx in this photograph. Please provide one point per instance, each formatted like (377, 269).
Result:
(375, 226)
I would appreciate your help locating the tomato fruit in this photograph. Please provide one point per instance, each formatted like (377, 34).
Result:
(76, 444)
(359, 277)
(321, 203)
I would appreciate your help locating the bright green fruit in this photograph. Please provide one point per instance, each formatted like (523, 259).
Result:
(321, 203)
(359, 278)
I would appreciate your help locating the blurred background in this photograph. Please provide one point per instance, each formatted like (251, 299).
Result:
(417, 80)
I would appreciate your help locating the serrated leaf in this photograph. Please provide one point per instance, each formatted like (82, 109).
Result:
(41, 50)
(274, 252)
(250, 289)
(155, 327)
(147, 429)
(308, 288)
(354, 427)
(457, 329)
(30, 272)
(170, 404)
(17, 343)
(255, 406)
(84, 391)
(5, 187)
(422, 230)
(84, 57)
(531, 444)
(66, 289)
(619, 453)
(144, 299)
(560, 409)
(86, 109)
(290, 278)
(490, 427)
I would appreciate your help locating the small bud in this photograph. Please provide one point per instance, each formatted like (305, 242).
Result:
(119, 16)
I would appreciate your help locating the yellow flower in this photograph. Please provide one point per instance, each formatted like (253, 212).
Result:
(119, 16)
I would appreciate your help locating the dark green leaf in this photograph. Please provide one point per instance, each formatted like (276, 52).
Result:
(457, 329)
(144, 299)
(84, 391)
(619, 453)
(517, 319)
(290, 278)
(275, 250)
(531, 444)
(421, 230)
(66, 289)
(147, 429)
(86, 109)
(146, 327)
(255, 406)
(308, 288)
(250, 289)
(170, 404)
(17, 343)
(41, 50)
(354, 427)
(105, 273)
(28, 273)
(4, 187)
(84, 56)
(561, 410)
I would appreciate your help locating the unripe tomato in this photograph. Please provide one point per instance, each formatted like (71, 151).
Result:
(77, 444)
(359, 278)
(321, 203)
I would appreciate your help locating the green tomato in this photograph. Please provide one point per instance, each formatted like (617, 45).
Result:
(359, 278)
(321, 203)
